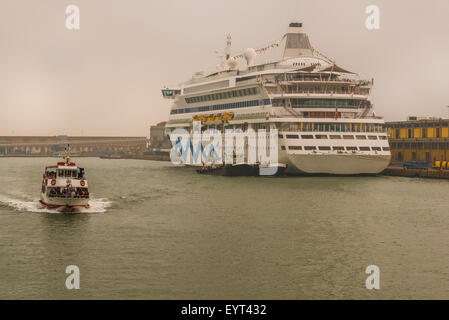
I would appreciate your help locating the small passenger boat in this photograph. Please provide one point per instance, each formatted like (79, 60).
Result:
(64, 186)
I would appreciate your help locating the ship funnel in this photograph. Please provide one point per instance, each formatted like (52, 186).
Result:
(296, 42)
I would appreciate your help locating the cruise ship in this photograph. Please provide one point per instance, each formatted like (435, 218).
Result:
(322, 112)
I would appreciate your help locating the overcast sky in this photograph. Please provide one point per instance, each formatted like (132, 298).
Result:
(105, 78)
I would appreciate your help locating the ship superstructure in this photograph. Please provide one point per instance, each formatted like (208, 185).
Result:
(323, 113)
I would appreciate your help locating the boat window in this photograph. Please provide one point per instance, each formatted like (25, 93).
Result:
(386, 148)
(335, 136)
(338, 148)
(292, 136)
(294, 148)
(348, 137)
(307, 136)
(309, 148)
(283, 147)
(324, 148)
(372, 137)
(361, 137)
(364, 149)
(376, 148)
(321, 136)
(351, 148)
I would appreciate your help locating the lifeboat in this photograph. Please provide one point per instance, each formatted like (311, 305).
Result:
(228, 116)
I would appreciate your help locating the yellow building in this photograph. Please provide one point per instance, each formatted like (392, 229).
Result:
(419, 140)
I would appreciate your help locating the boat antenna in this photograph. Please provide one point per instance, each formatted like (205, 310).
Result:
(227, 50)
(67, 154)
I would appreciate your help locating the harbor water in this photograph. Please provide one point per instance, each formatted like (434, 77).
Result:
(155, 231)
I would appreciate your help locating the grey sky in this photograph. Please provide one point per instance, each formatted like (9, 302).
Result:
(105, 78)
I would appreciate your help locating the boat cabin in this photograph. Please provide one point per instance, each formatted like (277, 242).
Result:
(63, 171)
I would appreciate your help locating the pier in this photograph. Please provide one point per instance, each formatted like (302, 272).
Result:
(416, 172)
(419, 147)
(44, 146)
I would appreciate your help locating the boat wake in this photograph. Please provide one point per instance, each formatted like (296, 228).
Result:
(95, 206)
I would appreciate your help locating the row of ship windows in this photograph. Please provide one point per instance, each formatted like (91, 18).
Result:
(334, 127)
(224, 106)
(223, 95)
(318, 88)
(303, 64)
(327, 148)
(332, 136)
(327, 103)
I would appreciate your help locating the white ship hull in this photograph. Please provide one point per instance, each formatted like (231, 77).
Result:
(333, 164)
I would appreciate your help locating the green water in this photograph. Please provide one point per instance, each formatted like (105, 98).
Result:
(159, 232)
